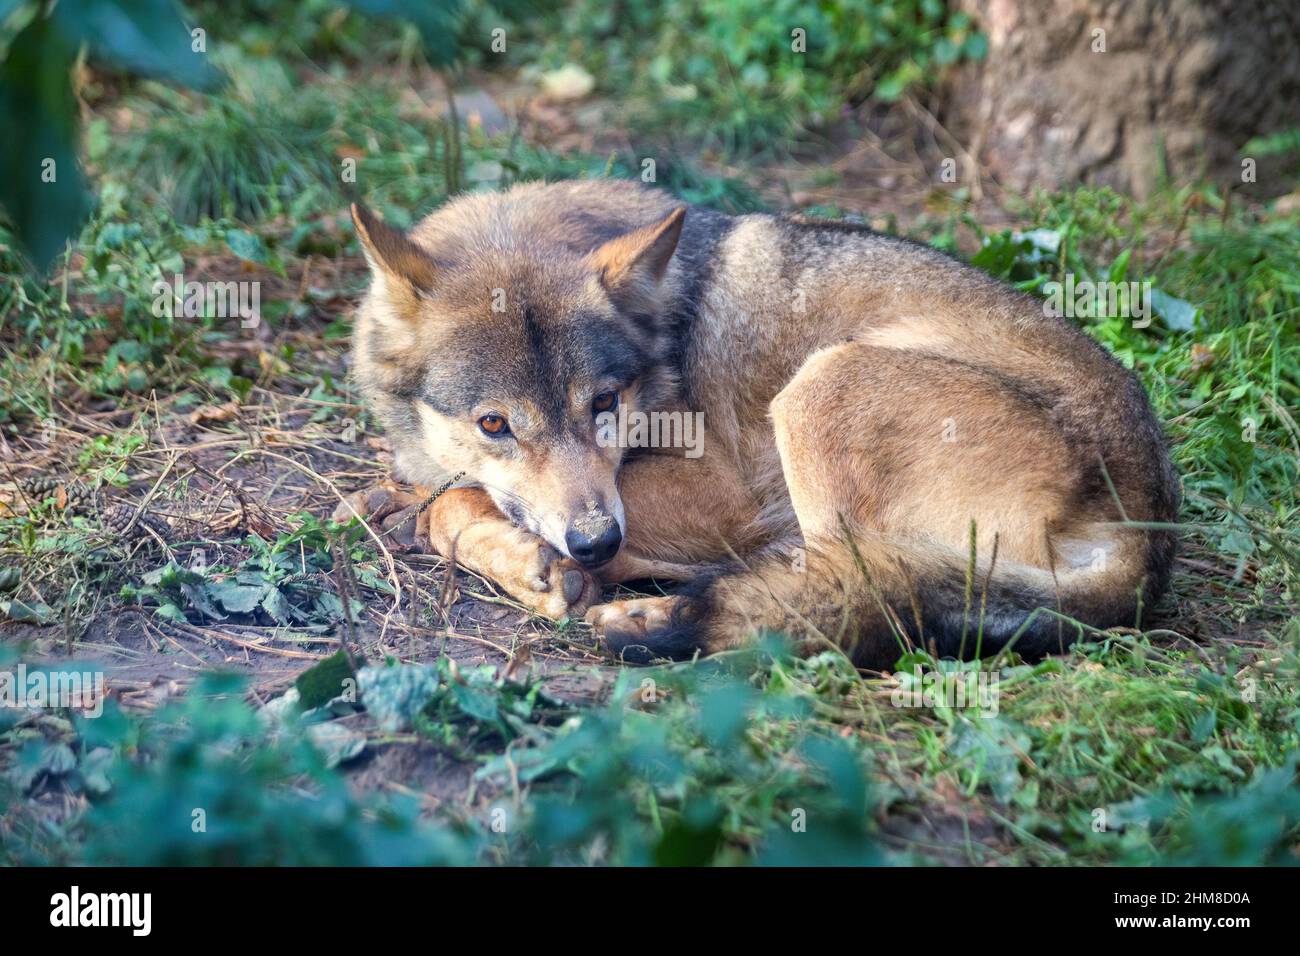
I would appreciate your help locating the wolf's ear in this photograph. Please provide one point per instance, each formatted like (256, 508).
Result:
(391, 253)
(632, 264)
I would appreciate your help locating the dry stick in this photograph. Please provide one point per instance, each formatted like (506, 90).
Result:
(451, 140)
(170, 640)
(130, 526)
(434, 496)
(936, 128)
(1288, 422)
(345, 583)
(227, 484)
(1050, 551)
(195, 633)
(1105, 473)
(18, 486)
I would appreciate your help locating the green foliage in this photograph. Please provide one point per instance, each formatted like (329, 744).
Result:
(717, 763)
(287, 581)
(1221, 357)
(728, 70)
(719, 766)
(321, 683)
(205, 787)
(41, 185)
(1258, 825)
(42, 189)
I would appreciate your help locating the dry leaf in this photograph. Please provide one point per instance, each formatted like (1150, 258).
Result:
(209, 414)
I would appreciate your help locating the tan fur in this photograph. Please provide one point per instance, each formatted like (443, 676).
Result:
(867, 401)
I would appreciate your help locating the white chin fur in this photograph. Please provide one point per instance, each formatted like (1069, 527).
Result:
(551, 530)
(620, 516)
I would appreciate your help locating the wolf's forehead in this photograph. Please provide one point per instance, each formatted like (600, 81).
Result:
(527, 357)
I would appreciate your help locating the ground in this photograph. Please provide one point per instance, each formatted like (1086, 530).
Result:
(133, 513)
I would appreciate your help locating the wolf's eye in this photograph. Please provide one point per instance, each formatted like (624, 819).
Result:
(604, 402)
(494, 425)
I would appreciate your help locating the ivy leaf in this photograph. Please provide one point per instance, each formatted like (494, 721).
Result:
(246, 245)
(237, 598)
(476, 702)
(437, 20)
(275, 604)
(34, 613)
(1178, 314)
(322, 682)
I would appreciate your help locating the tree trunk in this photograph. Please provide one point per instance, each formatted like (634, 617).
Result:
(1122, 92)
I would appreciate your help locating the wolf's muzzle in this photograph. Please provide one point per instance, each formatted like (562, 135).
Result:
(594, 542)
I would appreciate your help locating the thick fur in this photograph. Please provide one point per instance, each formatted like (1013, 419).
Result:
(898, 450)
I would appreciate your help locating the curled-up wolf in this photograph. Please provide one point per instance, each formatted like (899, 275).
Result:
(823, 431)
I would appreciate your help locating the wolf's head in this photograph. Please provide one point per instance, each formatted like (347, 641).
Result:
(491, 342)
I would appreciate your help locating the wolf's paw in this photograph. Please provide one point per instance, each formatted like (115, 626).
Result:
(535, 574)
(390, 511)
(643, 629)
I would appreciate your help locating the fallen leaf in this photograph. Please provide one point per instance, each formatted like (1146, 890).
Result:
(209, 414)
(1202, 357)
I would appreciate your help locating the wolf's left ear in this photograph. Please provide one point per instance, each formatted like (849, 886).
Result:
(390, 252)
(632, 265)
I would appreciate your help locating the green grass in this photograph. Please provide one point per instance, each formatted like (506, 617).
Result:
(734, 76)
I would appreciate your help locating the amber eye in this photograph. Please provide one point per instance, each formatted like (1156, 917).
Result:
(494, 425)
(604, 402)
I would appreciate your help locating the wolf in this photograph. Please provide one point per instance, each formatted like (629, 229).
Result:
(899, 451)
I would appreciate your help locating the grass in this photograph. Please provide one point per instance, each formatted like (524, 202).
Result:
(167, 481)
(747, 77)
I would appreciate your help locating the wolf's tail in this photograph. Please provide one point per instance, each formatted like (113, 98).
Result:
(877, 599)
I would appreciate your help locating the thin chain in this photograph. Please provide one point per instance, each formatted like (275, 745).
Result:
(438, 493)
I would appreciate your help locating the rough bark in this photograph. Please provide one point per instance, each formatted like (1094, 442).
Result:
(1181, 87)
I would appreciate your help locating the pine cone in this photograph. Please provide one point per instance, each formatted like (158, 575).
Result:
(73, 494)
(117, 519)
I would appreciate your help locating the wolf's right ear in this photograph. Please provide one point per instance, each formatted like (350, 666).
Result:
(631, 265)
(391, 253)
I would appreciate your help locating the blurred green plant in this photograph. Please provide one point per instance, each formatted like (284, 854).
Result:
(709, 765)
(202, 784)
(743, 73)
(286, 582)
(42, 188)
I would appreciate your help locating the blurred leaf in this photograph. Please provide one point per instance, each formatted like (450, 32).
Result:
(142, 36)
(246, 245)
(42, 190)
(322, 682)
(437, 21)
(1178, 315)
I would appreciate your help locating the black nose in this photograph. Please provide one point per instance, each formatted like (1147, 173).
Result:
(594, 550)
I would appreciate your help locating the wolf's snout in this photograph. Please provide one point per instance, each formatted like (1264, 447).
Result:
(593, 540)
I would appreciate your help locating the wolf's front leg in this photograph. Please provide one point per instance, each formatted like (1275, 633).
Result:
(466, 525)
